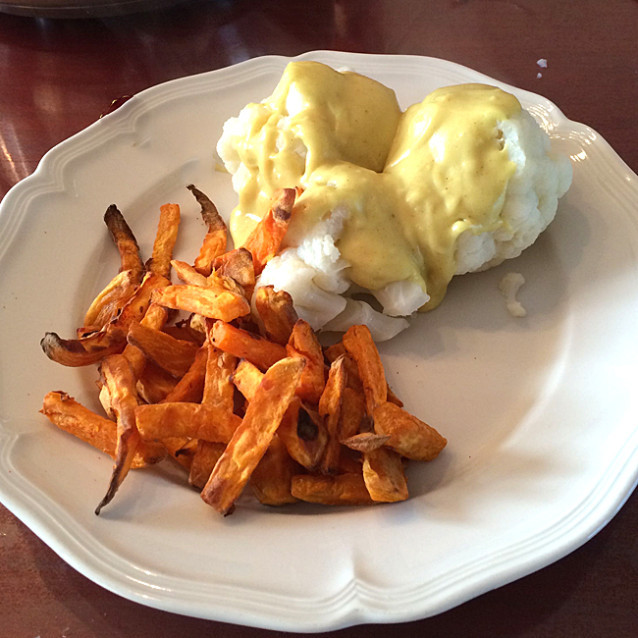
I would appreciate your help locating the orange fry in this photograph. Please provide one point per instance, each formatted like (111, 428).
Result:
(84, 351)
(109, 301)
(124, 240)
(203, 461)
(117, 375)
(384, 476)
(155, 317)
(238, 265)
(173, 355)
(191, 386)
(154, 384)
(181, 449)
(101, 433)
(352, 412)
(271, 479)
(218, 386)
(216, 238)
(214, 301)
(246, 378)
(330, 409)
(366, 441)
(408, 435)
(165, 238)
(137, 306)
(264, 241)
(342, 489)
(245, 345)
(111, 338)
(193, 420)
(276, 312)
(188, 274)
(304, 343)
(359, 344)
(253, 437)
(303, 433)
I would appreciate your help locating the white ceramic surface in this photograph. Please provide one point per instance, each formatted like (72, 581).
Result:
(540, 412)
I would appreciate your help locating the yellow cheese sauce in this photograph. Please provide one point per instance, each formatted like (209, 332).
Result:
(315, 117)
(411, 182)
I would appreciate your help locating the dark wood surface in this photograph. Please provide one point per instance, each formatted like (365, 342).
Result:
(58, 76)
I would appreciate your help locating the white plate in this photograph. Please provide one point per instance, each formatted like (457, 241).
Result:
(540, 412)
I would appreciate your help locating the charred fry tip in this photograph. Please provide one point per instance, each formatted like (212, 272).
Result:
(283, 202)
(210, 214)
(112, 212)
(115, 221)
(108, 497)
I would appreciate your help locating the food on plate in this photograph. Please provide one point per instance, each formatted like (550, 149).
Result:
(392, 203)
(509, 287)
(238, 395)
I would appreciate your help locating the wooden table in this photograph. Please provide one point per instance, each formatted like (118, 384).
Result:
(58, 76)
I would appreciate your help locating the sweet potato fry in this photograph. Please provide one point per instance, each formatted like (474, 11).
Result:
(352, 412)
(330, 409)
(245, 345)
(276, 312)
(191, 386)
(359, 344)
(117, 375)
(165, 238)
(253, 437)
(303, 433)
(173, 355)
(124, 240)
(84, 351)
(304, 343)
(218, 386)
(339, 350)
(69, 415)
(366, 441)
(181, 449)
(101, 433)
(384, 476)
(271, 479)
(188, 274)
(203, 461)
(136, 307)
(111, 339)
(393, 398)
(183, 330)
(155, 317)
(265, 240)
(154, 384)
(246, 378)
(342, 489)
(109, 301)
(213, 301)
(408, 435)
(193, 420)
(238, 265)
(216, 238)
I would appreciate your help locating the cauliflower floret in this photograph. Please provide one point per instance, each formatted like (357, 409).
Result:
(531, 199)
(287, 271)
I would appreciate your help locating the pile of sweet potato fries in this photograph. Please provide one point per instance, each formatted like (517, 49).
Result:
(235, 395)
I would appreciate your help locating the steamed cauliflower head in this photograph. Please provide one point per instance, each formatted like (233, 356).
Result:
(393, 204)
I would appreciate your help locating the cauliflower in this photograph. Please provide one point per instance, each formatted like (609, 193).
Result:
(531, 198)
(315, 269)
